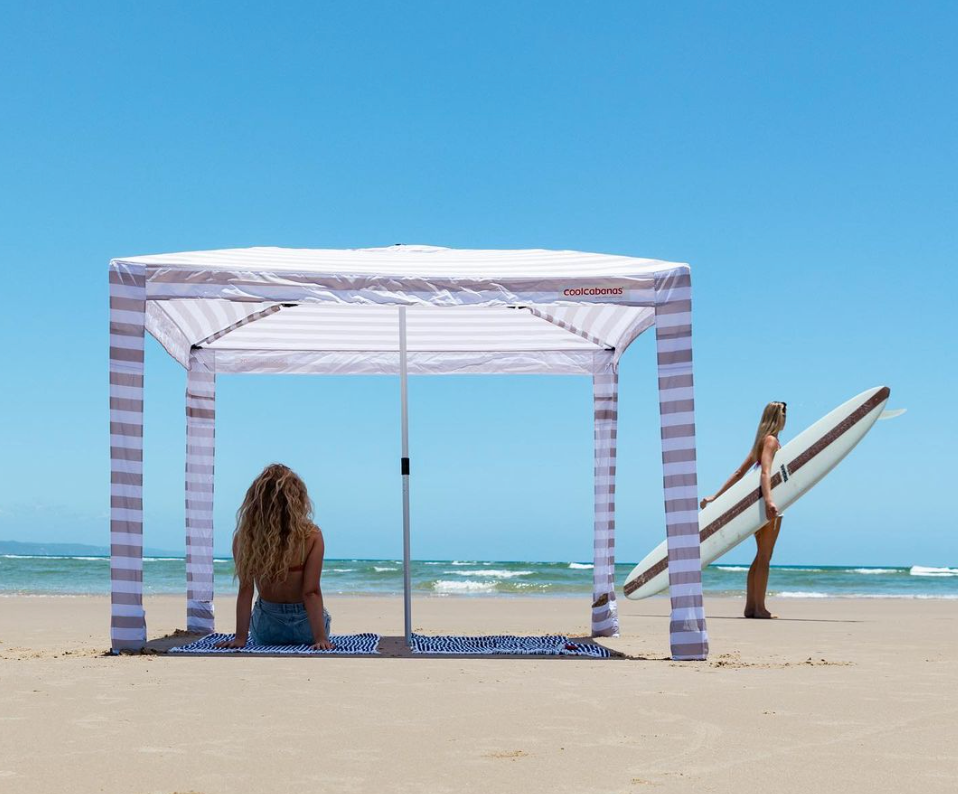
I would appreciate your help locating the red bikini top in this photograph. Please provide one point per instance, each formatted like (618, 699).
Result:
(302, 565)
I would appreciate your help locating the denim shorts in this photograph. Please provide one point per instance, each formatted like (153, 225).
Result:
(282, 624)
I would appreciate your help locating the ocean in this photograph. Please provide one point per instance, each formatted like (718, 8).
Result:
(76, 575)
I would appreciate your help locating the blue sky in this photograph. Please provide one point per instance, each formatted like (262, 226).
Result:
(802, 158)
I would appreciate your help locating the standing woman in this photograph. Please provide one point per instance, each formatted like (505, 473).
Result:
(762, 454)
(278, 552)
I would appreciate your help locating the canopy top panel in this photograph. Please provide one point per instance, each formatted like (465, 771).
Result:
(413, 261)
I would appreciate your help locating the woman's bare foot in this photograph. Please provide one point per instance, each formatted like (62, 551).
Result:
(749, 612)
(762, 614)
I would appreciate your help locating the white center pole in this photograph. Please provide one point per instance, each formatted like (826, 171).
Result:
(407, 588)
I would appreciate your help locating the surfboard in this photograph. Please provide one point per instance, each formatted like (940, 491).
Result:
(740, 511)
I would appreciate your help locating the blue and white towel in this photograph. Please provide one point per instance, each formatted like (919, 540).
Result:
(504, 644)
(345, 644)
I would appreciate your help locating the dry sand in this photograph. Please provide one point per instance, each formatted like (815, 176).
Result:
(838, 696)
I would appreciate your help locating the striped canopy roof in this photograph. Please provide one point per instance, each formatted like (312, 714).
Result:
(266, 309)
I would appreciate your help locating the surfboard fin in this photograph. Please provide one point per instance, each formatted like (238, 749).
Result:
(892, 414)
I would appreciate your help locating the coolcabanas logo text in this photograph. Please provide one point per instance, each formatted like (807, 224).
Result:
(600, 293)
(592, 292)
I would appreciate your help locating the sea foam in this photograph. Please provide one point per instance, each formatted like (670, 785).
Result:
(921, 570)
(446, 586)
(497, 574)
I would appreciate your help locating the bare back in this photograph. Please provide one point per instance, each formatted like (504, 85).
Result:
(309, 564)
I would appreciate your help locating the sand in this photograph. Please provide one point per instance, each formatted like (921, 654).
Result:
(838, 695)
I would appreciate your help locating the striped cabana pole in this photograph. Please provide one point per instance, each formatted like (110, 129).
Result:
(200, 452)
(127, 317)
(673, 337)
(605, 395)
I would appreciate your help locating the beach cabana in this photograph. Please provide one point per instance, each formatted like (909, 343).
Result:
(398, 310)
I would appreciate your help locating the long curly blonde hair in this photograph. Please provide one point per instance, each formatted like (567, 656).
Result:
(273, 523)
(771, 424)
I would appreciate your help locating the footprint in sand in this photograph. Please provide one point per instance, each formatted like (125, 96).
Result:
(510, 754)
(160, 750)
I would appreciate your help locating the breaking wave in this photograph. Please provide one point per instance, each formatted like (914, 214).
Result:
(921, 570)
(446, 586)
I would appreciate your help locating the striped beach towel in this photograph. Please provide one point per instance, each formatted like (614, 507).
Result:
(345, 644)
(508, 645)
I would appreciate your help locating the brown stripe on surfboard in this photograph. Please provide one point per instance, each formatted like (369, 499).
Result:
(752, 498)
(738, 509)
(842, 427)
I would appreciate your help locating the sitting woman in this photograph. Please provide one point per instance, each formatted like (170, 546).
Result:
(278, 550)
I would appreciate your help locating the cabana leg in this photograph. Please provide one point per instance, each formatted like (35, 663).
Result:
(200, 452)
(673, 338)
(404, 469)
(127, 317)
(605, 391)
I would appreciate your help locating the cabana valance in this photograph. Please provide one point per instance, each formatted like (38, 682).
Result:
(397, 310)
